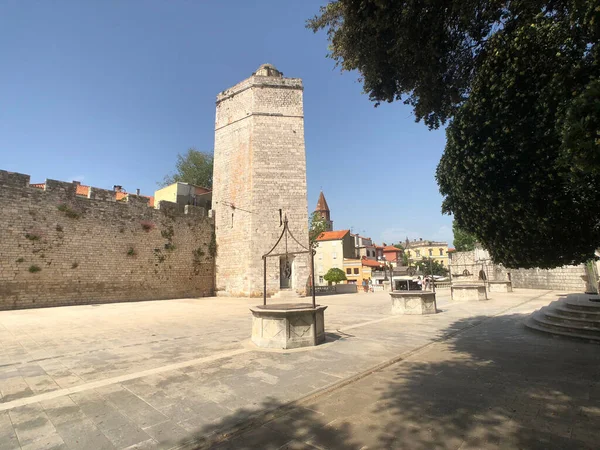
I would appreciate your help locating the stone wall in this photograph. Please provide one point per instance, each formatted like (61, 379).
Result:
(567, 278)
(59, 249)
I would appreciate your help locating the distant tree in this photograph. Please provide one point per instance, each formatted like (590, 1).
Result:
(316, 226)
(463, 241)
(431, 267)
(400, 246)
(194, 167)
(335, 275)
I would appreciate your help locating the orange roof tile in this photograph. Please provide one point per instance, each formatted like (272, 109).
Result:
(391, 248)
(371, 263)
(82, 190)
(332, 235)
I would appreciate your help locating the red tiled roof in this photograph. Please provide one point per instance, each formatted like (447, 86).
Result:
(82, 190)
(85, 190)
(391, 248)
(332, 235)
(371, 263)
(450, 250)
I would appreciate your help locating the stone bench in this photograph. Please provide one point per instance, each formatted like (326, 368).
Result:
(288, 325)
(500, 286)
(413, 302)
(468, 292)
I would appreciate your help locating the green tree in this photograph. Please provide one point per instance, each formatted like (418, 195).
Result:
(430, 267)
(316, 226)
(194, 167)
(335, 275)
(519, 82)
(463, 241)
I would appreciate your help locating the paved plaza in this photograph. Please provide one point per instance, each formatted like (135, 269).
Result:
(182, 374)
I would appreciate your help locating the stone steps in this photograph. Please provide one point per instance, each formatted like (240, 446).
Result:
(286, 294)
(575, 317)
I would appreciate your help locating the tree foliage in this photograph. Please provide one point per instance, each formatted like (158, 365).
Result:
(430, 267)
(463, 241)
(334, 275)
(316, 226)
(194, 167)
(519, 82)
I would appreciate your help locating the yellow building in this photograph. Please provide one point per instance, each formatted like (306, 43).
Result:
(417, 250)
(184, 194)
(332, 248)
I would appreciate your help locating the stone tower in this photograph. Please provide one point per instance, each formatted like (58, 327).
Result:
(323, 210)
(259, 177)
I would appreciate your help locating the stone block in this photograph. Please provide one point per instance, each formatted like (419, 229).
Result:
(413, 302)
(288, 325)
(468, 292)
(500, 286)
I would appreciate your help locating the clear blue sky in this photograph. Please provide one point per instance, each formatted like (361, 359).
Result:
(109, 92)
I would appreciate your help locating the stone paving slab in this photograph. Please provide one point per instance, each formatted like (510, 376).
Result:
(495, 385)
(157, 374)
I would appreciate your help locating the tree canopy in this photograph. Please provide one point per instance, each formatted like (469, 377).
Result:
(316, 226)
(334, 275)
(463, 241)
(430, 267)
(194, 167)
(519, 83)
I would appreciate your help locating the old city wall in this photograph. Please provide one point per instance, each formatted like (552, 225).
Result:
(59, 249)
(567, 278)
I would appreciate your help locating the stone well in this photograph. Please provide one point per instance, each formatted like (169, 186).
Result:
(466, 292)
(413, 302)
(288, 325)
(500, 286)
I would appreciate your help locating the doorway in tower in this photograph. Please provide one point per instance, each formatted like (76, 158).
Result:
(286, 264)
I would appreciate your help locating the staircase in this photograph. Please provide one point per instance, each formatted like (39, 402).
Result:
(285, 294)
(575, 317)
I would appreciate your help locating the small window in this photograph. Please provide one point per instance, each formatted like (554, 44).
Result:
(348, 271)
(441, 252)
(334, 255)
(418, 252)
(356, 271)
(430, 252)
(321, 280)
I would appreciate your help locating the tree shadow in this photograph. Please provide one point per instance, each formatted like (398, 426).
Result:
(488, 383)
(496, 385)
(274, 425)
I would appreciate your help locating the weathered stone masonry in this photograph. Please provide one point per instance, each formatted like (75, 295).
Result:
(58, 249)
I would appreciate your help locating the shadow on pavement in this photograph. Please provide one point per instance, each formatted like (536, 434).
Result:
(496, 385)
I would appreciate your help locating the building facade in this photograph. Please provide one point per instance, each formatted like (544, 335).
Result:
(331, 250)
(259, 178)
(185, 194)
(436, 250)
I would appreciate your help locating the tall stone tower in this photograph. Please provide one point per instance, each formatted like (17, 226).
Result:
(323, 210)
(260, 177)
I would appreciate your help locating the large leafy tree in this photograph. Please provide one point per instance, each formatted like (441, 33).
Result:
(430, 267)
(194, 167)
(519, 82)
(463, 241)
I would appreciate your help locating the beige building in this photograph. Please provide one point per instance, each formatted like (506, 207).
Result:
(332, 248)
(185, 194)
(436, 250)
(259, 178)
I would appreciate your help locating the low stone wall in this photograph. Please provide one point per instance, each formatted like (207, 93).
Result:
(346, 288)
(567, 278)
